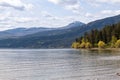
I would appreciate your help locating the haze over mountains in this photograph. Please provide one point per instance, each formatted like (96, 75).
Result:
(18, 32)
(50, 37)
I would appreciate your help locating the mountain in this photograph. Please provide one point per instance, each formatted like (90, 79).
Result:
(57, 38)
(58, 31)
(18, 32)
(108, 35)
(73, 25)
(99, 24)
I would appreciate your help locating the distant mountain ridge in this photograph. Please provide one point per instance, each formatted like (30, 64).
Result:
(57, 38)
(18, 32)
(103, 22)
(58, 31)
(73, 25)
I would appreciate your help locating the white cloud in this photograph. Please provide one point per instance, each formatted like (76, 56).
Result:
(98, 3)
(86, 11)
(117, 12)
(16, 4)
(108, 1)
(4, 17)
(75, 8)
(100, 15)
(73, 5)
(106, 12)
(88, 15)
(23, 19)
(49, 16)
(9, 21)
(46, 14)
(110, 12)
(5, 27)
(55, 1)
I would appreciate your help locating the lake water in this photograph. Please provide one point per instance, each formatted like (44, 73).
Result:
(58, 64)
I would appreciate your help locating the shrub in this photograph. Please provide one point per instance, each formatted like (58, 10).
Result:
(82, 45)
(101, 44)
(76, 45)
(88, 45)
(117, 44)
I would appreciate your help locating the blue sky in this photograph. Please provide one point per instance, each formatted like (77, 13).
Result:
(53, 13)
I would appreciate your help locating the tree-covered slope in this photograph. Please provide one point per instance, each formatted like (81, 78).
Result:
(109, 36)
(61, 38)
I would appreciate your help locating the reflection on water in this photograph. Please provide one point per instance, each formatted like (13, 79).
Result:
(58, 64)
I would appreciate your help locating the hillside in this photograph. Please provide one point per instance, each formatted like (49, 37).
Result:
(59, 38)
(109, 37)
(18, 32)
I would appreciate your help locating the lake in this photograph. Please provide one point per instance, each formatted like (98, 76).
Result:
(58, 64)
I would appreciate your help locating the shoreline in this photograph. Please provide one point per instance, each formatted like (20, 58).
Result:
(111, 49)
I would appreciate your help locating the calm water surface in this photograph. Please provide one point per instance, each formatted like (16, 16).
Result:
(58, 64)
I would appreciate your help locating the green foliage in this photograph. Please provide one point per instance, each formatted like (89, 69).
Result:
(101, 44)
(83, 40)
(88, 45)
(113, 41)
(76, 45)
(117, 44)
(109, 35)
(82, 45)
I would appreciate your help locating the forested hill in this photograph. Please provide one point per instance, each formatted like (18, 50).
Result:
(109, 36)
(59, 38)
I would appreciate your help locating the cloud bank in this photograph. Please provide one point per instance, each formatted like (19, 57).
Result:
(54, 13)
(73, 5)
(16, 4)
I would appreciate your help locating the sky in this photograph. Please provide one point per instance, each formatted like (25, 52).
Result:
(53, 13)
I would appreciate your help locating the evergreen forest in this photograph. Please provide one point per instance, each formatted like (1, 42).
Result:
(107, 37)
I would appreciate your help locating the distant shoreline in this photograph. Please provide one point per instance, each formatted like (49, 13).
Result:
(112, 49)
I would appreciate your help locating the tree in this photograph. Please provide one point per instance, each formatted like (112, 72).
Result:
(88, 45)
(109, 35)
(82, 45)
(83, 40)
(113, 41)
(101, 44)
(75, 45)
(117, 44)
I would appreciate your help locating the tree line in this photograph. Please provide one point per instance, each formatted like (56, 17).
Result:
(109, 36)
